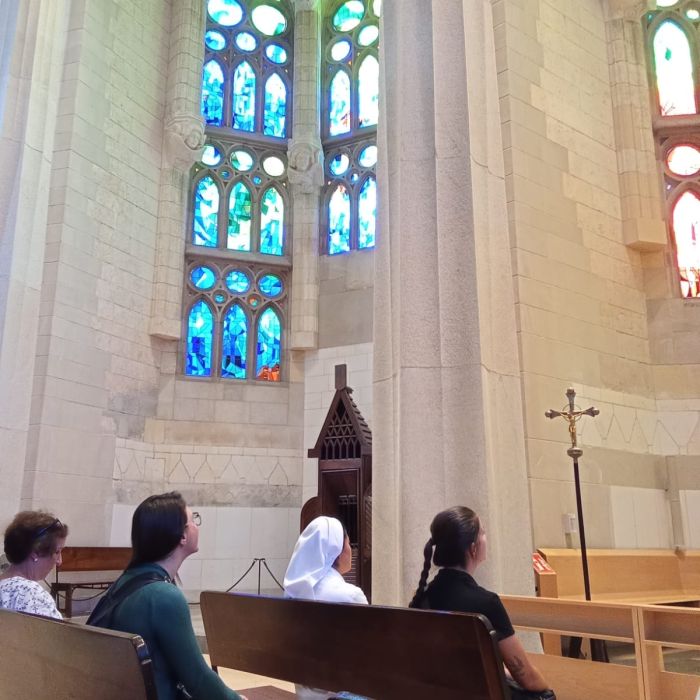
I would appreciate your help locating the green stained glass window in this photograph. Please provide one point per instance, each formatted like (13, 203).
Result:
(269, 20)
(239, 218)
(269, 344)
(272, 222)
(674, 70)
(349, 15)
(227, 13)
(244, 97)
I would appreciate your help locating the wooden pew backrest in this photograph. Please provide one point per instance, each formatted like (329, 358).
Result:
(94, 559)
(387, 653)
(45, 659)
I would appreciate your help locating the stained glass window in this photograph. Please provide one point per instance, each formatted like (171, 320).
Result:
(200, 331)
(206, 213)
(244, 97)
(367, 213)
(269, 346)
(339, 221)
(686, 229)
(213, 93)
(674, 70)
(240, 213)
(275, 106)
(272, 222)
(368, 90)
(234, 343)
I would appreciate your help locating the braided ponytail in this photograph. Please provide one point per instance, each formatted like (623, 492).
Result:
(420, 591)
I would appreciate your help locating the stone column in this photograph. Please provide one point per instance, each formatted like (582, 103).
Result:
(305, 175)
(447, 399)
(32, 45)
(183, 140)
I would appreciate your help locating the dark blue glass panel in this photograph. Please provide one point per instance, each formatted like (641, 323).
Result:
(206, 213)
(272, 222)
(237, 281)
(244, 97)
(234, 340)
(269, 344)
(213, 93)
(225, 12)
(215, 40)
(339, 112)
(339, 221)
(245, 41)
(367, 214)
(276, 53)
(270, 285)
(275, 106)
(368, 89)
(200, 331)
(203, 277)
(240, 214)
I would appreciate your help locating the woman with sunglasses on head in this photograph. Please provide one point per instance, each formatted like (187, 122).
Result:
(458, 545)
(33, 544)
(145, 600)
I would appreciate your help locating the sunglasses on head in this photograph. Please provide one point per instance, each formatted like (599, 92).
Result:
(50, 526)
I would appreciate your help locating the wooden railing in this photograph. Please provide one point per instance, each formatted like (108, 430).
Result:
(648, 628)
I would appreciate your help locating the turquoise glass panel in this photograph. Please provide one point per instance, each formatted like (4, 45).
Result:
(275, 107)
(349, 15)
(234, 343)
(339, 221)
(200, 332)
(245, 41)
(203, 277)
(242, 160)
(269, 345)
(368, 90)
(268, 20)
(340, 50)
(339, 107)
(368, 157)
(211, 155)
(228, 13)
(276, 53)
(237, 281)
(367, 214)
(368, 35)
(240, 214)
(674, 70)
(272, 223)
(270, 285)
(212, 93)
(206, 213)
(244, 97)
(215, 40)
(339, 164)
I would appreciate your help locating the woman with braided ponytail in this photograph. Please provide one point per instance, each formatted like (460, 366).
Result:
(458, 545)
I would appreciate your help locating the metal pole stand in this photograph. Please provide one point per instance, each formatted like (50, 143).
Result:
(260, 561)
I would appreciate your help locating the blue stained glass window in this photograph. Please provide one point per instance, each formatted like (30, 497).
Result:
(339, 164)
(367, 214)
(272, 222)
(234, 343)
(340, 50)
(211, 156)
(368, 35)
(275, 106)
(339, 112)
(276, 53)
(339, 221)
(240, 214)
(242, 160)
(203, 277)
(244, 97)
(245, 41)
(368, 90)
(206, 213)
(215, 40)
(200, 330)
(268, 346)
(237, 281)
(225, 12)
(213, 93)
(368, 157)
(270, 285)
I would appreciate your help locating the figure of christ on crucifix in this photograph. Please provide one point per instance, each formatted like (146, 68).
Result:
(572, 416)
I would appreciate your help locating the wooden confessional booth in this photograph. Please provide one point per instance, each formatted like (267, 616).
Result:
(344, 453)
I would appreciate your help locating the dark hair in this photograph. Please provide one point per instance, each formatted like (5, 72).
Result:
(157, 527)
(453, 532)
(345, 537)
(33, 532)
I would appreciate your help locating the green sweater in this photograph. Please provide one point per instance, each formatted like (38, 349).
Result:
(158, 612)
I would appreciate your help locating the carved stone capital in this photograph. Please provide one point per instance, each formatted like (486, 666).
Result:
(305, 158)
(627, 9)
(184, 140)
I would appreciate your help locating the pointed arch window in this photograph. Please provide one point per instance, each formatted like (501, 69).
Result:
(673, 38)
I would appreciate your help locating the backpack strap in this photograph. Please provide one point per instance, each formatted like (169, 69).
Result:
(101, 616)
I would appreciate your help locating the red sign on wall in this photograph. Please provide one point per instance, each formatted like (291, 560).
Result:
(540, 565)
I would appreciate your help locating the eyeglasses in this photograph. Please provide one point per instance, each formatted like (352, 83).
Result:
(44, 530)
(196, 518)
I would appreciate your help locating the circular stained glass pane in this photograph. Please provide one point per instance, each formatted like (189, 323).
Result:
(349, 15)
(273, 166)
(270, 285)
(226, 12)
(257, 180)
(242, 160)
(245, 41)
(276, 53)
(202, 277)
(368, 35)
(339, 164)
(684, 160)
(219, 298)
(377, 7)
(268, 20)
(692, 13)
(340, 50)
(211, 155)
(215, 40)
(237, 281)
(368, 157)
(354, 178)
(254, 300)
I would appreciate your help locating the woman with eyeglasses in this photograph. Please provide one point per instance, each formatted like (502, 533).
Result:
(33, 544)
(145, 600)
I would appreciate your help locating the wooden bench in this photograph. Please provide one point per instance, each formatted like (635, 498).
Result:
(387, 653)
(639, 576)
(45, 659)
(109, 562)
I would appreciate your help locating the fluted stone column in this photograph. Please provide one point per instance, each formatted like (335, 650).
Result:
(183, 140)
(447, 398)
(306, 176)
